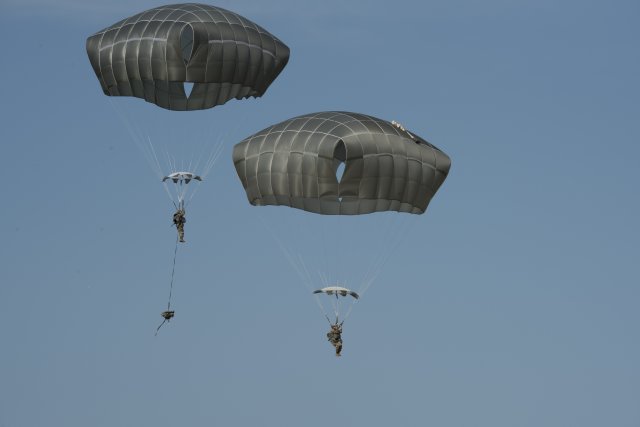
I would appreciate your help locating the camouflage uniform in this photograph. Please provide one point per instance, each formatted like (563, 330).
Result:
(179, 221)
(335, 337)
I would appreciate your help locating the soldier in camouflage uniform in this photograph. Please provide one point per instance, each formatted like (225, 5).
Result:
(335, 337)
(179, 220)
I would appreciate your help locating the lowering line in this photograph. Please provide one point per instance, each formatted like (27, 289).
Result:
(167, 315)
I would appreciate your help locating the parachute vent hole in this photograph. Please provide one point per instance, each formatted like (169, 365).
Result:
(188, 87)
(186, 43)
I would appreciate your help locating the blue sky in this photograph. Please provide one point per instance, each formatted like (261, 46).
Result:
(511, 302)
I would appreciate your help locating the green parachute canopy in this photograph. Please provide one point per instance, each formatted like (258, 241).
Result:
(294, 163)
(153, 54)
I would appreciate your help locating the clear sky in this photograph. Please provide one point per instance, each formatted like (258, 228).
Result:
(512, 302)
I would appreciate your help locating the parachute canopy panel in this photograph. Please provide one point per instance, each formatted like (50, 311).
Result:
(153, 54)
(337, 290)
(294, 163)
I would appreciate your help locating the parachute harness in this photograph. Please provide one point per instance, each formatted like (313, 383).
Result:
(168, 314)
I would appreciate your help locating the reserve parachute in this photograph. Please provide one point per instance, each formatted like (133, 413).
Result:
(337, 290)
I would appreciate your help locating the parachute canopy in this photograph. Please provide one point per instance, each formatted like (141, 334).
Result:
(182, 177)
(152, 55)
(180, 193)
(337, 290)
(294, 163)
